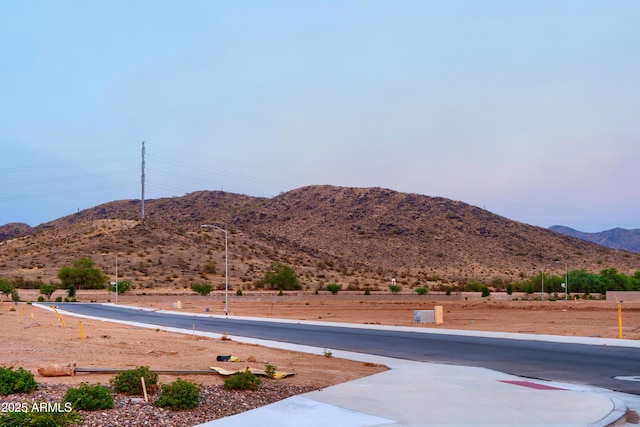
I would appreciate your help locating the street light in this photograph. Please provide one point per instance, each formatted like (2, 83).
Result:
(566, 281)
(116, 279)
(226, 267)
(114, 283)
(542, 278)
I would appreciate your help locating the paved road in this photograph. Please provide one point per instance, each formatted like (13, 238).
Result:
(595, 365)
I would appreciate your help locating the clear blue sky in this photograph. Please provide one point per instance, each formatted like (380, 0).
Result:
(530, 109)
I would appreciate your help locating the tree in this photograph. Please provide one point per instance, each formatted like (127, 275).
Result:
(614, 281)
(281, 277)
(83, 275)
(48, 290)
(6, 287)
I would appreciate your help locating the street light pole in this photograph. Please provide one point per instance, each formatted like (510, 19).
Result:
(226, 267)
(566, 282)
(542, 279)
(116, 279)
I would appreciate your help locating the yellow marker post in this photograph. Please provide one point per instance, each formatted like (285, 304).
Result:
(59, 316)
(81, 335)
(620, 319)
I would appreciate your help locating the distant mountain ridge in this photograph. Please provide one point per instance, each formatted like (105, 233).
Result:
(617, 238)
(357, 237)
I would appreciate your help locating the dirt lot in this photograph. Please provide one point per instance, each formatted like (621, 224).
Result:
(31, 337)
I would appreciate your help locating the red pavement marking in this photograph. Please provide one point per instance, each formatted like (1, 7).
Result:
(533, 385)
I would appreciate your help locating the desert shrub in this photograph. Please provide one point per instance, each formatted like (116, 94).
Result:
(15, 296)
(59, 298)
(39, 418)
(327, 353)
(123, 286)
(421, 291)
(244, 380)
(395, 288)
(71, 292)
(18, 381)
(128, 382)
(209, 267)
(90, 397)
(40, 298)
(367, 291)
(202, 288)
(334, 288)
(485, 292)
(270, 370)
(473, 286)
(178, 395)
(239, 292)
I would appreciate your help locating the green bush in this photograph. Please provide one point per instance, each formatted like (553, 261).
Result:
(123, 286)
(178, 395)
(71, 293)
(39, 419)
(422, 291)
(334, 288)
(90, 397)
(395, 288)
(367, 291)
(202, 288)
(485, 292)
(20, 381)
(244, 380)
(40, 298)
(128, 382)
(270, 370)
(239, 292)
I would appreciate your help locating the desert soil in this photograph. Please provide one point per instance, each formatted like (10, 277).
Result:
(31, 337)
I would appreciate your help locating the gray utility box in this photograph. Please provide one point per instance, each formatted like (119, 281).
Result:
(429, 316)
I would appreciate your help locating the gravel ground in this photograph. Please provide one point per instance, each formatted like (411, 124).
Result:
(215, 403)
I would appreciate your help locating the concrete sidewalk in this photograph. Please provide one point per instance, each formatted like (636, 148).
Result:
(423, 394)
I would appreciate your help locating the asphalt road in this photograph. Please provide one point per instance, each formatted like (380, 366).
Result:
(574, 363)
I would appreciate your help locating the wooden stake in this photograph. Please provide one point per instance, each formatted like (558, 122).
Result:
(144, 389)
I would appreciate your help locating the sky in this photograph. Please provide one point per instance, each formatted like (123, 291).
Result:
(529, 109)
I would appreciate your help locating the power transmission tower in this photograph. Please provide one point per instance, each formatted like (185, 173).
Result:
(142, 179)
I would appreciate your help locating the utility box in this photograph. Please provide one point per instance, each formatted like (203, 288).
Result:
(429, 316)
(439, 314)
(424, 316)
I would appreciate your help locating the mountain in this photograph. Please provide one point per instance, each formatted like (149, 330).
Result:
(357, 237)
(14, 230)
(617, 238)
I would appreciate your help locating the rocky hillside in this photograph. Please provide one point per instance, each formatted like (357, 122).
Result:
(354, 236)
(617, 238)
